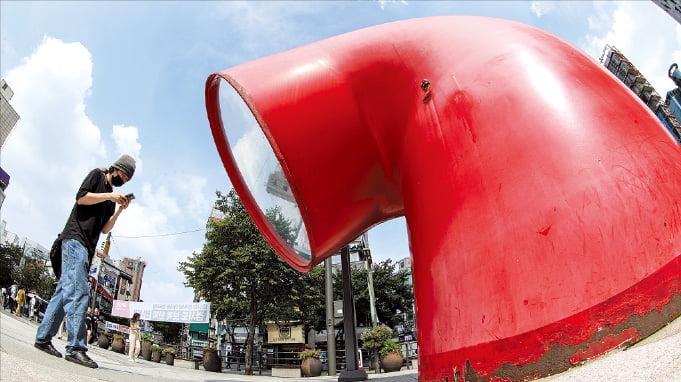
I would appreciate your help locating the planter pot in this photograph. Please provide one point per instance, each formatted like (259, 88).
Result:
(146, 350)
(211, 362)
(392, 362)
(156, 356)
(103, 342)
(311, 367)
(118, 345)
(170, 359)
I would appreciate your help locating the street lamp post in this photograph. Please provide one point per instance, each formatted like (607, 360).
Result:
(351, 372)
(330, 324)
(368, 263)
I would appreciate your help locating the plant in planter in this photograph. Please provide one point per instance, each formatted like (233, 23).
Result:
(391, 358)
(311, 366)
(169, 353)
(118, 344)
(146, 346)
(156, 353)
(103, 341)
(373, 339)
(211, 360)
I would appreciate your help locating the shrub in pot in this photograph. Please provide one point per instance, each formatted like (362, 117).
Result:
(156, 353)
(373, 339)
(169, 353)
(391, 358)
(118, 344)
(310, 366)
(211, 360)
(146, 346)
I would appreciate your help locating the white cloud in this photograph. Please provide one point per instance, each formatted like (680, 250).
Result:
(55, 143)
(195, 201)
(643, 32)
(126, 140)
(540, 8)
(157, 214)
(165, 291)
(384, 3)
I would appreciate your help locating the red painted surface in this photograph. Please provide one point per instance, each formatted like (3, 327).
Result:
(541, 197)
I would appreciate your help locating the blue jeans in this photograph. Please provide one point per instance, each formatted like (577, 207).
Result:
(70, 299)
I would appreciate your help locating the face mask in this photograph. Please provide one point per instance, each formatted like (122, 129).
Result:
(117, 181)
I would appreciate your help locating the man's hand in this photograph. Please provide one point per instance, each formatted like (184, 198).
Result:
(120, 199)
(123, 203)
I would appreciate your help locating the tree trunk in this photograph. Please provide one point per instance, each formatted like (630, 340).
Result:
(252, 321)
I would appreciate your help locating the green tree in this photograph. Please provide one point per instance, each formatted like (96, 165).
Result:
(242, 277)
(34, 277)
(392, 293)
(10, 258)
(169, 330)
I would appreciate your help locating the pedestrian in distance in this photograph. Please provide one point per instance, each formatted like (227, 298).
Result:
(21, 299)
(93, 213)
(95, 324)
(88, 325)
(135, 345)
(3, 298)
(32, 307)
(13, 290)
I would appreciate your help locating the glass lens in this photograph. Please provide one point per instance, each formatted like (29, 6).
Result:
(261, 170)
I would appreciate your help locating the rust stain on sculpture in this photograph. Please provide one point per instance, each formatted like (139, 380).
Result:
(562, 357)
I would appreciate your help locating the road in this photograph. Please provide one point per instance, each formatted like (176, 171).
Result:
(655, 359)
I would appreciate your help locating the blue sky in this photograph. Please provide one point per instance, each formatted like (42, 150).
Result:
(94, 79)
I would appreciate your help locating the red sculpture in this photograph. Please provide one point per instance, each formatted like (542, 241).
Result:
(542, 198)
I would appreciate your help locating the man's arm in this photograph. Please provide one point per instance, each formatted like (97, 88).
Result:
(92, 198)
(112, 220)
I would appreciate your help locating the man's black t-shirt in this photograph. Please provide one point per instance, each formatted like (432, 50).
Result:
(86, 222)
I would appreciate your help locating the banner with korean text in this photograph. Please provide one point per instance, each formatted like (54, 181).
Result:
(116, 327)
(196, 312)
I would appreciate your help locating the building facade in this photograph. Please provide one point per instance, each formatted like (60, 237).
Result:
(673, 102)
(405, 265)
(135, 268)
(619, 65)
(30, 248)
(8, 119)
(673, 7)
(8, 116)
(106, 280)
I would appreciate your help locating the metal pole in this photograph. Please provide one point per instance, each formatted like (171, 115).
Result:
(370, 278)
(330, 327)
(351, 372)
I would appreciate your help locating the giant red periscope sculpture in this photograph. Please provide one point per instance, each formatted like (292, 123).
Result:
(542, 199)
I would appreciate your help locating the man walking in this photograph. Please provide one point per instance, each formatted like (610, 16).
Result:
(94, 213)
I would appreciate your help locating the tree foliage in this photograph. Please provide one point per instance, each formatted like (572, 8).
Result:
(10, 258)
(33, 276)
(392, 293)
(242, 277)
(244, 280)
(169, 330)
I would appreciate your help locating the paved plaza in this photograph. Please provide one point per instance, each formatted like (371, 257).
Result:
(656, 359)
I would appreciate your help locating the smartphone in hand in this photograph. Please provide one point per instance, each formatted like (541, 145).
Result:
(130, 196)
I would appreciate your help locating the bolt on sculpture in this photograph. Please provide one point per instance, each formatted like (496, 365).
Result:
(542, 199)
